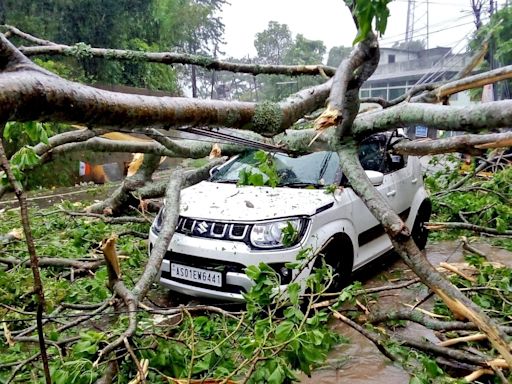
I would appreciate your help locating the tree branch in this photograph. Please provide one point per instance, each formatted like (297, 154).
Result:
(170, 219)
(474, 81)
(473, 118)
(134, 296)
(470, 227)
(464, 143)
(16, 32)
(53, 262)
(34, 261)
(343, 103)
(420, 318)
(46, 47)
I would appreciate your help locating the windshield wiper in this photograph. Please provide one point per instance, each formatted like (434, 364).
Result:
(301, 184)
(227, 181)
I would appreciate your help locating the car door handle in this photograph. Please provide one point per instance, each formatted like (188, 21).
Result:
(415, 180)
(391, 193)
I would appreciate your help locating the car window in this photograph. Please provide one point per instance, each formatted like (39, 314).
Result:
(318, 168)
(372, 153)
(375, 155)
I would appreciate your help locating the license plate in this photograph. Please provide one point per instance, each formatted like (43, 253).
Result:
(197, 275)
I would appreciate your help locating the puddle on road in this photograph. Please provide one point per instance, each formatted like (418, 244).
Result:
(358, 362)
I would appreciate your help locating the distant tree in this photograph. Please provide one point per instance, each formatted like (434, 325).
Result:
(273, 43)
(337, 54)
(498, 31)
(276, 45)
(413, 45)
(202, 33)
(155, 25)
(305, 51)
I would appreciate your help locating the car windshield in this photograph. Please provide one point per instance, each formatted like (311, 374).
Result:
(315, 169)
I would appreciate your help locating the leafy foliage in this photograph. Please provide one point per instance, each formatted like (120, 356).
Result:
(484, 200)
(273, 43)
(275, 337)
(156, 25)
(19, 139)
(276, 45)
(266, 174)
(337, 54)
(498, 34)
(366, 12)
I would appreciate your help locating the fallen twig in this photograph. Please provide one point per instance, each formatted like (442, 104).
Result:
(431, 314)
(107, 219)
(470, 227)
(464, 339)
(374, 338)
(457, 271)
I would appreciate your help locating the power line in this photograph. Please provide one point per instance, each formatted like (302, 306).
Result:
(387, 40)
(441, 70)
(216, 137)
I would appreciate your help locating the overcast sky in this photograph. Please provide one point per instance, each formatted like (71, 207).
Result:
(450, 22)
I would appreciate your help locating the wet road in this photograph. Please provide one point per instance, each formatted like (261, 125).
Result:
(360, 361)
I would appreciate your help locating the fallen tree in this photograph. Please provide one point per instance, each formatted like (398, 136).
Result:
(28, 93)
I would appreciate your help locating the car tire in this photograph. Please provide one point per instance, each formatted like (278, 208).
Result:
(419, 229)
(340, 256)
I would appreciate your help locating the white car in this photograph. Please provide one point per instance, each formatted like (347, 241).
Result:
(223, 228)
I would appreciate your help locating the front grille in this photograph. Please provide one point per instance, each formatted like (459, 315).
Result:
(214, 229)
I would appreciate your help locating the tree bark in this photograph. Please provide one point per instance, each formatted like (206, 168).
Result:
(49, 48)
(34, 260)
(470, 143)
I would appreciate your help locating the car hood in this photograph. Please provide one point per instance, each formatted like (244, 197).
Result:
(217, 201)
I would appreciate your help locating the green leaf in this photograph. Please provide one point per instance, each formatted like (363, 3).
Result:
(312, 354)
(276, 377)
(316, 336)
(7, 131)
(253, 272)
(261, 156)
(44, 137)
(284, 330)
(416, 380)
(292, 265)
(256, 179)
(293, 293)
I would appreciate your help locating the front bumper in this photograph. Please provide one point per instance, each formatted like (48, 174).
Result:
(235, 255)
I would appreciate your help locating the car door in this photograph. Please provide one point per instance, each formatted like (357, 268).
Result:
(404, 183)
(371, 235)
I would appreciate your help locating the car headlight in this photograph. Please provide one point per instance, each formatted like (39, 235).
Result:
(159, 220)
(277, 234)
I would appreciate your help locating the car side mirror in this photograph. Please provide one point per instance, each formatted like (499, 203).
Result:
(376, 178)
(213, 170)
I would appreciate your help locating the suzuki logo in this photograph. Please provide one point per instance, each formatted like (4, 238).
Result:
(202, 227)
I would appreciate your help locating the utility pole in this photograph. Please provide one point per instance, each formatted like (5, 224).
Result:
(409, 29)
(428, 24)
(492, 49)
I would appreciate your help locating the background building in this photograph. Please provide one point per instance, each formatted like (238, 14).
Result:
(399, 70)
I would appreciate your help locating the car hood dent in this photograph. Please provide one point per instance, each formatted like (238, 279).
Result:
(217, 201)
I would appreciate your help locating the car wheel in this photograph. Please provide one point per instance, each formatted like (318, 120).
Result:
(419, 229)
(339, 255)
